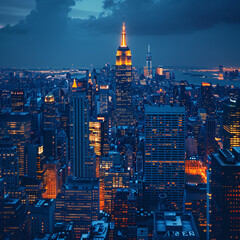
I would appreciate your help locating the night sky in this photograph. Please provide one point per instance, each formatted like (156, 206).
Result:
(64, 33)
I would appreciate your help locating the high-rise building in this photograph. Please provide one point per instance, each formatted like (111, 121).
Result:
(41, 165)
(116, 177)
(231, 124)
(207, 100)
(33, 187)
(104, 99)
(148, 69)
(9, 166)
(79, 134)
(164, 155)
(52, 178)
(17, 100)
(124, 109)
(78, 202)
(15, 219)
(18, 126)
(95, 136)
(125, 208)
(210, 142)
(224, 190)
(49, 126)
(42, 216)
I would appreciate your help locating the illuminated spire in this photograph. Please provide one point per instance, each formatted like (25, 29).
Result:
(74, 83)
(123, 42)
(149, 48)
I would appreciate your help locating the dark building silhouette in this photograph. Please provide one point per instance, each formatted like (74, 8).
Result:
(224, 188)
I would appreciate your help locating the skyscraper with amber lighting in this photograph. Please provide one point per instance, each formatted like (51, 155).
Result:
(124, 111)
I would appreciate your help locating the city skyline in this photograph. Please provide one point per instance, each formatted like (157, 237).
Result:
(56, 33)
(120, 150)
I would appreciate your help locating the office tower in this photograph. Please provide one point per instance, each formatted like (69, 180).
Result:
(104, 99)
(231, 124)
(124, 111)
(124, 209)
(78, 202)
(148, 68)
(15, 219)
(41, 165)
(17, 100)
(52, 178)
(104, 165)
(33, 187)
(9, 165)
(210, 142)
(49, 126)
(116, 177)
(164, 155)
(90, 94)
(105, 147)
(62, 146)
(79, 134)
(95, 136)
(225, 203)
(174, 225)
(207, 100)
(197, 204)
(18, 127)
(183, 93)
(42, 216)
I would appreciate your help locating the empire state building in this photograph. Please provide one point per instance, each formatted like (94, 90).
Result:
(124, 110)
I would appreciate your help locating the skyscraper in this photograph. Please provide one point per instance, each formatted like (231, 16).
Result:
(78, 202)
(17, 100)
(164, 155)
(207, 98)
(225, 202)
(18, 126)
(104, 98)
(148, 68)
(124, 110)
(79, 134)
(49, 126)
(231, 124)
(9, 165)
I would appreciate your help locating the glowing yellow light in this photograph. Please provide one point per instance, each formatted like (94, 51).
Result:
(205, 84)
(123, 43)
(74, 83)
(49, 98)
(104, 86)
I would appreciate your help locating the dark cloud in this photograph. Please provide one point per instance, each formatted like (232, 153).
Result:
(12, 11)
(49, 16)
(163, 17)
(49, 37)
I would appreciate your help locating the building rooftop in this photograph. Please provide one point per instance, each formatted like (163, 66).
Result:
(171, 225)
(43, 203)
(227, 158)
(163, 109)
(81, 183)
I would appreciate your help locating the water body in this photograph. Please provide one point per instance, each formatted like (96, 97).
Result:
(196, 77)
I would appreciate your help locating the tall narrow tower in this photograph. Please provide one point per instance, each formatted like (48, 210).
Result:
(149, 62)
(124, 111)
(79, 148)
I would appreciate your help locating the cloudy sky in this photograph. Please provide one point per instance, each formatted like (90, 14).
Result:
(64, 33)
